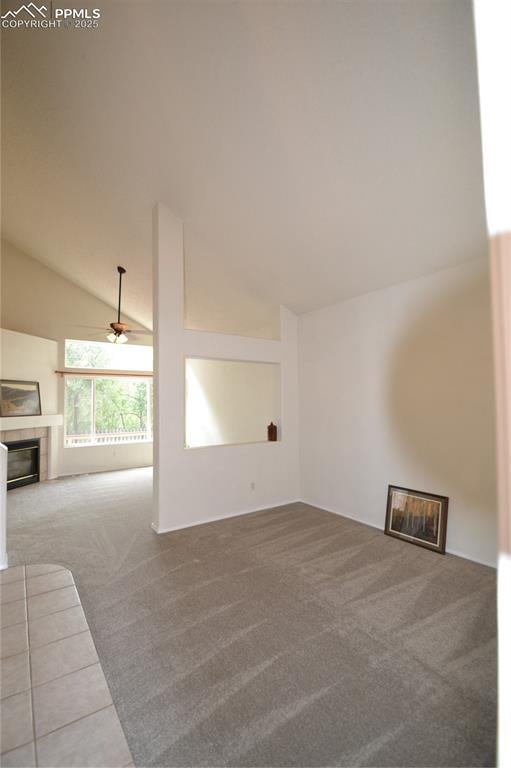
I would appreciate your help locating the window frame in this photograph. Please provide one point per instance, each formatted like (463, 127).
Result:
(93, 375)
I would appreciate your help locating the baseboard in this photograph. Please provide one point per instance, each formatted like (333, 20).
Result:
(457, 553)
(222, 517)
(449, 550)
(342, 514)
(98, 471)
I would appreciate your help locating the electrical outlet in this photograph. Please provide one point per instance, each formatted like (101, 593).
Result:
(252, 486)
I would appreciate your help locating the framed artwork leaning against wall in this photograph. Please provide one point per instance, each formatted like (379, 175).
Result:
(417, 517)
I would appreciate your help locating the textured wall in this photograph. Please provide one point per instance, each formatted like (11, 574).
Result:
(396, 387)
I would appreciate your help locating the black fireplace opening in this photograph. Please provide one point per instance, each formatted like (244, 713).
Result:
(22, 463)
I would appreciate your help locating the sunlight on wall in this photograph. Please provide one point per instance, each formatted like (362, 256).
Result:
(493, 29)
(202, 427)
(230, 402)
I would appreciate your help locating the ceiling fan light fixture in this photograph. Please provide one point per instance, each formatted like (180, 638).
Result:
(117, 338)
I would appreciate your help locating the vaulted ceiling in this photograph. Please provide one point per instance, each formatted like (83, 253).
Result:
(315, 150)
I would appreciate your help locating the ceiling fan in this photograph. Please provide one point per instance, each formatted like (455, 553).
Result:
(119, 331)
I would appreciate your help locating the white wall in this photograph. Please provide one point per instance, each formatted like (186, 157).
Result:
(192, 486)
(223, 300)
(31, 358)
(230, 401)
(396, 387)
(102, 458)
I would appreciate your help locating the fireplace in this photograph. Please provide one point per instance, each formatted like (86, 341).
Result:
(22, 463)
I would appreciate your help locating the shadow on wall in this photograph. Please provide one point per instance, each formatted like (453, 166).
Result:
(441, 397)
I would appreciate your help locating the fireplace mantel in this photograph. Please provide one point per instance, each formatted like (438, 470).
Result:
(31, 422)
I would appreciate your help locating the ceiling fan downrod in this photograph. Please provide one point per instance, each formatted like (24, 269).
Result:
(121, 272)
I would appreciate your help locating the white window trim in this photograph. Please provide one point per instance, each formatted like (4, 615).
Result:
(93, 374)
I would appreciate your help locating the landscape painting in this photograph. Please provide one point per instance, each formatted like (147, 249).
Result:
(19, 398)
(417, 517)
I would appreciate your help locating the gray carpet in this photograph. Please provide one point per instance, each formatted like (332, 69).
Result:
(289, 637)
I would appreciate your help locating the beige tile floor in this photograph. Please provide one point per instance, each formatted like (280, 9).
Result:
(56, 709)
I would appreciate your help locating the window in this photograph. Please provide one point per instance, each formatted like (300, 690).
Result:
(106, 356)
(103, 408)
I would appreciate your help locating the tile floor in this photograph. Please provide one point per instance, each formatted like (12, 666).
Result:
(56, 709)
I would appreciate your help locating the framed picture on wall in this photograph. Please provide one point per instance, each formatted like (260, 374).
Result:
(417, 517)
(19, 398)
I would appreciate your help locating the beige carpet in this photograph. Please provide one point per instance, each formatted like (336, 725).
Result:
(289, 637)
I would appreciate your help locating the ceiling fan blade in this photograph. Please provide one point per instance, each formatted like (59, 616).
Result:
(91, 328)
(139, 331)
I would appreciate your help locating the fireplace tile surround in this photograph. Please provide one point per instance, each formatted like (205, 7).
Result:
(47, 428)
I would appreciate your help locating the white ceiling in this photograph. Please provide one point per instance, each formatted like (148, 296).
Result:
(315, 150)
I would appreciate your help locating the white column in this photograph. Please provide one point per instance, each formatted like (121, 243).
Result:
(493, 40)
(193, 486)
(500, 252)
(168, 322)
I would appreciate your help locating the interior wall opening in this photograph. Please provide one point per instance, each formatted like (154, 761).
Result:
(229, 401)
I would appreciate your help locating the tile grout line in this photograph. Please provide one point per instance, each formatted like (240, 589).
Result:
(16, 599)
(60, 639)
(47, 592)
(83, 717)
(59, 677)
(59, 589)
(36, 576)
(46, 573)
(61, 727)
(23, 570)
(13, 625)
(35, 737)
(30, 678)
(14, 581)
(52, 613)
(8, 752)
(43, 575)
(43, 645)
(66, 674)
(22, 653)
(45, 615)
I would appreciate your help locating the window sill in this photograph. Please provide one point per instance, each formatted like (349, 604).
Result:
(231, 445)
